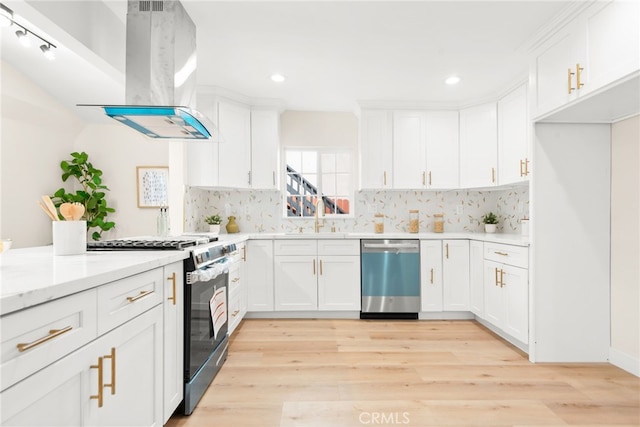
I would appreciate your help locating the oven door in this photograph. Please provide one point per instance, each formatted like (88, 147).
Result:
(206, 322)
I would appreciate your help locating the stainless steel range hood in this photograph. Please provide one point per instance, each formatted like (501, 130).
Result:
(160, 74)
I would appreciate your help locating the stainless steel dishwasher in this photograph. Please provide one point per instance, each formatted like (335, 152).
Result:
(390, 272)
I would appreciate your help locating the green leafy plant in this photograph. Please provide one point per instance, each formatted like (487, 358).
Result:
(213, 219)
(92, 195)
(490, 218)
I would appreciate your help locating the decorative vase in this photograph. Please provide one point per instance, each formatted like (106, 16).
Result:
(214, 228)
(232, 225)
(490, 228)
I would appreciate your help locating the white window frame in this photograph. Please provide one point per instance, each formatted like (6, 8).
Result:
(319, 150)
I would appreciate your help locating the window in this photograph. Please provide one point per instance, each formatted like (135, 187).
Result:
(318, 174)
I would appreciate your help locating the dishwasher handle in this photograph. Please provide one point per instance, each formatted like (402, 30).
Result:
(393, 247)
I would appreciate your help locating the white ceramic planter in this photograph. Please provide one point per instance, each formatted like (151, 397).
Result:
(214, 228)
(490, 228)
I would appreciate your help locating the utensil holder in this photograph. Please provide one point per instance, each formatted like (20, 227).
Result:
(69, 237)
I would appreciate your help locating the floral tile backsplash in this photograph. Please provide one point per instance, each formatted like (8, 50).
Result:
(262, 210)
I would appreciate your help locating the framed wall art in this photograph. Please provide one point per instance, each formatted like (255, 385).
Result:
(153, 186)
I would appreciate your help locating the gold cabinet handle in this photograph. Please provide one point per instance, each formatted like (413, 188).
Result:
(112, 356)
(497, 276)
(579, 70)
(235, 279)
(384, 178)
(244, 253)
(526, 167)
(569, 87)
(100, 382)
(522, 170)
(493, 175)
(429, 178)
(502, 278)
(424, 178)
(235, 313)
(52, 334)
(173, 279)
(142, 294)
(321, 267)
(431, 279)
(314, 267)
(446, 248)
(501, 253)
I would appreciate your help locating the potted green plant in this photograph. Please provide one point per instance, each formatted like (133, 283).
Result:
(214, 222)
(91, 196)
(490, 221)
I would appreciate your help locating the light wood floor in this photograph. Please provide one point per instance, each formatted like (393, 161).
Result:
(335, 373)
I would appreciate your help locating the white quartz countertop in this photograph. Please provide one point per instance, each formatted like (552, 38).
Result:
(32, 276)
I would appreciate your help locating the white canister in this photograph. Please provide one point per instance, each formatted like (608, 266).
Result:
(69, 237)
(524, 226)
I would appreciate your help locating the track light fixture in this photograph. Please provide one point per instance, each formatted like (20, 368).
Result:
(7, 19)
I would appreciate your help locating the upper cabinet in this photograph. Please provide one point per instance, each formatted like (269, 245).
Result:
(234, 166)
(246, 155)
(600, 46)
(375, 149)
(478, 146)
(409, 149)
(265, 146)
(513, 137)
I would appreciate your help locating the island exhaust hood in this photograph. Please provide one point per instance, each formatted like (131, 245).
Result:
(160, 81)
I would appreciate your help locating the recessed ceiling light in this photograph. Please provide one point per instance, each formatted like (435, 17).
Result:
(452, 80)
(278, 78)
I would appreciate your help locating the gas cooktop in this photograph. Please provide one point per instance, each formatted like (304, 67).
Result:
(150, 243)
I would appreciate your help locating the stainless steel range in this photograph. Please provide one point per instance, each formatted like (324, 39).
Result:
(206, 279)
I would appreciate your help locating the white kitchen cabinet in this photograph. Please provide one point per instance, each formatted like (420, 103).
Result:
(455, 275)
(478, 146)
(173, 338)
(376, 149)
(506, 289)
(513, 137)
(265, 149)
(311, 275)
(431, 275)
(237, 292)
(409, 149)
(202, 164)
(476, 277)
(339, 275)
(260, 275)
(234, 163)
(598, 47)
(442, 139)
(131, 393)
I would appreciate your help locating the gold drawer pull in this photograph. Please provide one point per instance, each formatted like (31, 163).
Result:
(431, 276)
(52, 334)
(235, 313)
(235, 279)
(100, 382)
(142, 294)
(112, 356)
(314, 267)
(173, 279)
(501, 253)
(321, 267)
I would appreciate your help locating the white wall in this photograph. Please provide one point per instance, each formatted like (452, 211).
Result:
(625, 245)
(36, 134)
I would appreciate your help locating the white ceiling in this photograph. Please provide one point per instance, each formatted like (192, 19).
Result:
(334, 54)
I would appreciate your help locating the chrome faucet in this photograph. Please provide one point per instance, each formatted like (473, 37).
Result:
(319, 205)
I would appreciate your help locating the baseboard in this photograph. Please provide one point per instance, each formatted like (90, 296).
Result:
(624, 361)
(502, 334)
(445, 315)
(302, 315)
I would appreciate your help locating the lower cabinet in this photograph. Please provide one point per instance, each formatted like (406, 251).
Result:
(260, 275)
(173, 311)
(237, 292)
(455, 275)
(506, 290)
(430, 275)
(476, 277)
(316, 275)
(114, 380)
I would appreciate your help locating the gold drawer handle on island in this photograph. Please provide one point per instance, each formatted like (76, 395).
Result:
(100, 382)
(142, 294)
(173, 279)
(52, 334)
(501, 253)
(112, 356)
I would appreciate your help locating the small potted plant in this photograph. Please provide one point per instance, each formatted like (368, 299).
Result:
(490, 221)
(214, 222)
